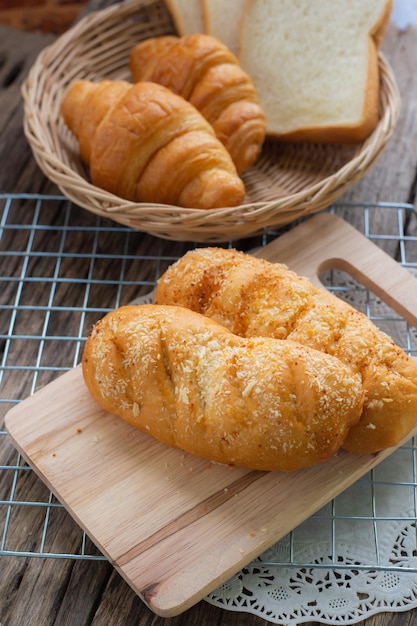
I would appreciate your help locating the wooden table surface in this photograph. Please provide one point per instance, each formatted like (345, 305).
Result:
(43, 591)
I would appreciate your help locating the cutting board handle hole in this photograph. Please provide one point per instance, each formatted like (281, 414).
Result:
(339, 277)
(356, 288)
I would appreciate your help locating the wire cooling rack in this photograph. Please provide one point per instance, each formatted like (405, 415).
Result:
(81, 266)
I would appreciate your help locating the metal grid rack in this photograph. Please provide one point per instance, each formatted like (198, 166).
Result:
(32, 355)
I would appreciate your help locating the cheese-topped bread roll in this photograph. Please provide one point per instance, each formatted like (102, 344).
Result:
(259, 403)
(253, 297)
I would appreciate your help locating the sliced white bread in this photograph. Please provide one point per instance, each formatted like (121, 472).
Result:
(222, 20)
(187, 16)
(315, 65)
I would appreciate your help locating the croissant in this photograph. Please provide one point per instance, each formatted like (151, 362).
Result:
(146, 144)
(253, 297)
(192, 384)
(206, 73)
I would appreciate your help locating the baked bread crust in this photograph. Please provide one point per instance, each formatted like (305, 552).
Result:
(315, 66)
(259, 403)
(201, 69)
(253, 297)
(146, 144)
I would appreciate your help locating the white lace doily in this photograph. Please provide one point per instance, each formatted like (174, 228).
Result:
(356, 557)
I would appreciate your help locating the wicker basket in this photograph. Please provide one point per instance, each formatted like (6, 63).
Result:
(287, 181)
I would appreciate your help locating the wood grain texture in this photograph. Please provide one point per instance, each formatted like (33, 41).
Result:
(41, 592)
(393, 177)
(175, 526)
(332, 243)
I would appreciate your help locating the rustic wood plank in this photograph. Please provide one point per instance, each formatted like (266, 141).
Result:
(62, 592)
(393, 178)
(19, 172)
(18, 52)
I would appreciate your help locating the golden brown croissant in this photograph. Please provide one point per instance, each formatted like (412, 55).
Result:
(202, 70)
(146, 144)
(192, 384)
(253, 297)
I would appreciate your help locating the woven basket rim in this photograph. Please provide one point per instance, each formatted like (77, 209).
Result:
(59, 63)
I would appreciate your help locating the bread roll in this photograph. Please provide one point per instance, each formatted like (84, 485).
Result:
(258, 403)
(253, 297)
(201, 69)
(146, 144)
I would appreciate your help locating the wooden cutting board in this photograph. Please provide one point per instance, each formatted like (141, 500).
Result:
(173, 525)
